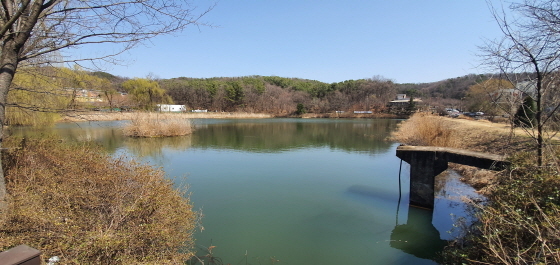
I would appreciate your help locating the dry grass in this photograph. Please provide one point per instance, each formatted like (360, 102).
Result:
(427, 130)
(481, 180)
(520, 224)
(118, 116)
(157, 125)
(469, 134)
(80, 204)
(474, 135)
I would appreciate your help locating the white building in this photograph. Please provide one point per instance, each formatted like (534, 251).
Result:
(171, 108)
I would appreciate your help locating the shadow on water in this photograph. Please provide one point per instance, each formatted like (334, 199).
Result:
(418, 236)
(425, 232)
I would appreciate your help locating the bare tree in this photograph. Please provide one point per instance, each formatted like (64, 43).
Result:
(530, 44)
(33, 30)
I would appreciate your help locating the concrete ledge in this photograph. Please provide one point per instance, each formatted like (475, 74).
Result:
(426, 162)
(459, 156)
(20, 255)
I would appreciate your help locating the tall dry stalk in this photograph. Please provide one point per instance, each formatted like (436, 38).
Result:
(427, 130)
(157, 125)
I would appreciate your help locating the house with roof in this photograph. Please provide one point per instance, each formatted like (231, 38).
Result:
(401, 102)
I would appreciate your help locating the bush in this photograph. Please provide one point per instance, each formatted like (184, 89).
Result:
(526, 114)
(300, 109)
(157, 125)
(78, 203)
(520, 224)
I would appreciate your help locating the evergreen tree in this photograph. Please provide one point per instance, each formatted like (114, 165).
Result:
(526, 114)
(300, 109)
(411, 108)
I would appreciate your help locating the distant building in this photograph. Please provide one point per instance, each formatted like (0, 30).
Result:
(400, 104)
(529, 88)
(512, 98)
(403, 100)
(171, 108)
(85, 95)
(511, 95)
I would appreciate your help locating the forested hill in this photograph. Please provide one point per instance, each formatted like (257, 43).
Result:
(260, 94)
(273, 93)
(452, 88)
(278, 94)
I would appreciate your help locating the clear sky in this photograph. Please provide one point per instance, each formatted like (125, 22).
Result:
(408, 41)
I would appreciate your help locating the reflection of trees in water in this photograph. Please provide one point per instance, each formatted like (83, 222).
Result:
(255, 136)
(153, 147)
(277, 136)
(109, 137)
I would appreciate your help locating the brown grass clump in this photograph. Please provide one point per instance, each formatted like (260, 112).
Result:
(78, 203)
(482, 180)
(427, 130)
(520, 224)
(157, 125)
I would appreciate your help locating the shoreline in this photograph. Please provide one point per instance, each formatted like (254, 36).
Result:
(118, 116)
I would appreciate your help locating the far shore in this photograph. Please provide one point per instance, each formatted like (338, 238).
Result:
(117, 116)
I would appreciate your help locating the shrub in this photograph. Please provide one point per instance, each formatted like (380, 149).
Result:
(157, 125)
(526, 114)
(520, 224)
(300, 109)
(78, 203)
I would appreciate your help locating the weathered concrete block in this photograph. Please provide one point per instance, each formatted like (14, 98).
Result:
(426, 162)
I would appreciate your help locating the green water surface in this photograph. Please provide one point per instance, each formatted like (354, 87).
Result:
(291, 191)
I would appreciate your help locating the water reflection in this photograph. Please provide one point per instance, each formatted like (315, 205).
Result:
(418, 236)
(285, 134)
(266, 135)
(153, 147)
(107, 134)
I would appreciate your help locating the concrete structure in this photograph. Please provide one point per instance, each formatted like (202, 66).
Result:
(426, 162)
(21, 255)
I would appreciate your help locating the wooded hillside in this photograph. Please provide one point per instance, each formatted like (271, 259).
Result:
(263, 94)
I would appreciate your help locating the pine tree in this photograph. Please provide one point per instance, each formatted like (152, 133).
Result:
(526, 114)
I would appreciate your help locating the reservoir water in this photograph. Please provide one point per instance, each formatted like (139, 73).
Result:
(293, 191)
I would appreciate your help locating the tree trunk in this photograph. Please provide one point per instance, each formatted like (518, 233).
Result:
(538, 117)
(7, 71)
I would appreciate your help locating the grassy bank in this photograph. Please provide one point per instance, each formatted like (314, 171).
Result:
(520, 223)
(78, 203)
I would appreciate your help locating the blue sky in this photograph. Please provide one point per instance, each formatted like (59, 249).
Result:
(408, 41)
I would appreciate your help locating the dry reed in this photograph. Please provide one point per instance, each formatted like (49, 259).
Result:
(80, 204)
(157, 125)
(427, 130)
